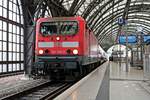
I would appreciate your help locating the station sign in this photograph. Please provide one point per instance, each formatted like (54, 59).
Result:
(121, 21)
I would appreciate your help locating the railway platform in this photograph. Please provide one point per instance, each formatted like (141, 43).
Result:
(122, 85)
(110, 81)
(89, 87)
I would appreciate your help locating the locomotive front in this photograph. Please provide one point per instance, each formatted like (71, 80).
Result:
(58, 47)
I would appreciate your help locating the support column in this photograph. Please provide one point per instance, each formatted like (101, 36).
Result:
(29, 49)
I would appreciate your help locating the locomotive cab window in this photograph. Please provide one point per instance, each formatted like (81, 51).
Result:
(49, 28)
(68, 28)
(63, 28)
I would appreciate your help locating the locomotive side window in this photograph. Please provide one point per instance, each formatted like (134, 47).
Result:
(68, 28)
(49, 28)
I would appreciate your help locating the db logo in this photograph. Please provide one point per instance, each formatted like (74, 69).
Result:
(58, 44)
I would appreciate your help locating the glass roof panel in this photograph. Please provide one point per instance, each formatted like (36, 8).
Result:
(99, 17)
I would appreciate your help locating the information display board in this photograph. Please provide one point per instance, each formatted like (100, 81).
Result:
(132, 39)
(146, 38)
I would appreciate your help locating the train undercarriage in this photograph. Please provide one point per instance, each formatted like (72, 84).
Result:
(62, 68)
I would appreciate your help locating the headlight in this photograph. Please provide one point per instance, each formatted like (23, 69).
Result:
(41, 51)
(75, 51)
(57, 38)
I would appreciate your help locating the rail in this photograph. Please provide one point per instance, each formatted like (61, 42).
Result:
(44, 91)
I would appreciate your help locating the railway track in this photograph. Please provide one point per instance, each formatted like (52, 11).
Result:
(45, 91)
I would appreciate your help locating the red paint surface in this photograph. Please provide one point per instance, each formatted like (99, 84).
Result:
(88, 44)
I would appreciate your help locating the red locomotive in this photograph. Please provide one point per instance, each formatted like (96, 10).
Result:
(65, 48)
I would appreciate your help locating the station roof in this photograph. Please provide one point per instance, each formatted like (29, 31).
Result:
(102, 15)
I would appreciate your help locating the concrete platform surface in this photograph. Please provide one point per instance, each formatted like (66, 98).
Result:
(87, 88)
(127, 85)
